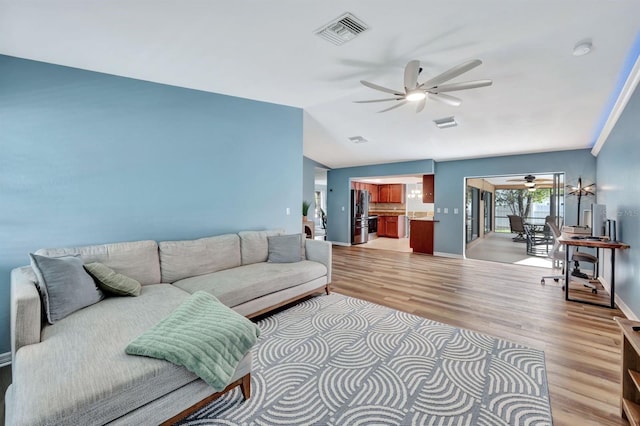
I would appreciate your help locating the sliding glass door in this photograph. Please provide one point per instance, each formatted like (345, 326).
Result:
(472, 214)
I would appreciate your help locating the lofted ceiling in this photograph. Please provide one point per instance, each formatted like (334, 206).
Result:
(542, 99)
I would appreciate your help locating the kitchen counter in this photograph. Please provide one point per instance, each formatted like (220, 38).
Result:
(387, 213)
(424, 219)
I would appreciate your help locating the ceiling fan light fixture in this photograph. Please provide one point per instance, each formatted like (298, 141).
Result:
(532, 188)
(416, 95)
(529, 184)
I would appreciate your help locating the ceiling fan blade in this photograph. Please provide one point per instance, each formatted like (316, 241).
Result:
(399, 104)
(452, 73)
(378, 100)
(421, 103)
(411, 72)
(451, 87)
(445, 99)
(382, 89)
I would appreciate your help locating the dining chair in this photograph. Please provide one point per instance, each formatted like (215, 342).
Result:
(517, 227)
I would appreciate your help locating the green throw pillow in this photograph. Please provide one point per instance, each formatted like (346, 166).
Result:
(109, 280)
(202, 335)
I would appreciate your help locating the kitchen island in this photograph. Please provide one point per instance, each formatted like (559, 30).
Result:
(421, 234)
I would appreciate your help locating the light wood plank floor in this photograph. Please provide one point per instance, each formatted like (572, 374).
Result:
(581, 342)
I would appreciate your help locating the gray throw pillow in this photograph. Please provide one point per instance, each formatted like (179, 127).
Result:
(113, 282)
(64, 285)
(285, 248)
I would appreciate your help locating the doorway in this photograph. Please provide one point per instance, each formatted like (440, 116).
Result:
(490, 200)
(320, 201)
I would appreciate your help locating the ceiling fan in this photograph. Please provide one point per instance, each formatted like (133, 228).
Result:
(530, 181)
(432, 89)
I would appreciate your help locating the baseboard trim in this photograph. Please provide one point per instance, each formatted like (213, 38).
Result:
(621, 305)
(451, 255)
(339, 243)
(5, 359)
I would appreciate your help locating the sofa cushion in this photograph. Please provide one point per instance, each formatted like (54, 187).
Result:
(254, 246)
(64, 285)
(203, 335)
(112, 282)
(98, 381)
(189, 258)
(136, 259)
(285, 248)
(238, 285)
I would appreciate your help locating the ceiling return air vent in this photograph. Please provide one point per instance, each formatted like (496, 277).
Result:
(444, 123)
(343, 29)
(358, 139)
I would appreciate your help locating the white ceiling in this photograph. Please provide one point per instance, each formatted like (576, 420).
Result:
(542, 98)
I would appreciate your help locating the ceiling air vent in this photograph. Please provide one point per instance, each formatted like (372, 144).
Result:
(444, 123)
(343, 29)
(358, 139)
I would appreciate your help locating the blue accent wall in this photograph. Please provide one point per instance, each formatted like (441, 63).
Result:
(339, 187)
(450, 186)
(91, 158)
(619, 189)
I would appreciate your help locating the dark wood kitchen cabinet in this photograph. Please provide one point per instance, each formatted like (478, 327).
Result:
(428, 189)
(391, 226)
(373, 190)
(391, 193)
(421, 236)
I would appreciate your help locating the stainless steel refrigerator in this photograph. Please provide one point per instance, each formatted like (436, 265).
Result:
(359, 216)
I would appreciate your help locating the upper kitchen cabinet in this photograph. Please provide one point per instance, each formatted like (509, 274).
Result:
(392, 193)
(373, 190)
(428, 189)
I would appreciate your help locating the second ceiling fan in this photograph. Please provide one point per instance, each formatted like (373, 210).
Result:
(530, 181)
(432, 88)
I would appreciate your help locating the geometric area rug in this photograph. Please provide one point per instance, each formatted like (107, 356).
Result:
(337, 360)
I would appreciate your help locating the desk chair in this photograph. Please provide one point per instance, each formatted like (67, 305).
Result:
(578, 257)
(517, 227)
(556, 255)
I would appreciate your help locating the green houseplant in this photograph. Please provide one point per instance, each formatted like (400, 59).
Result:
(305, 209)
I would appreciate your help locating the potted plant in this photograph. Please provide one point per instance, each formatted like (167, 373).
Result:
(305, 209)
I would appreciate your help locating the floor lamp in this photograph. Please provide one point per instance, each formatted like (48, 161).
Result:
(580, 191)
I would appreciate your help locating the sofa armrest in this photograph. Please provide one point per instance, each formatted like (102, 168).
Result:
(26, 314)
(319, 251)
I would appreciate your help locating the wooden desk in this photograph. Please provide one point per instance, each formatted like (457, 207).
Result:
(597, 244)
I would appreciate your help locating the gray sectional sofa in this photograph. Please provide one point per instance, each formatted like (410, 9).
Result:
(75, 371)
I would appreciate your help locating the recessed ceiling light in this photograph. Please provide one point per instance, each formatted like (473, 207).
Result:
(358, 139)
(443, 123)
(582, 48)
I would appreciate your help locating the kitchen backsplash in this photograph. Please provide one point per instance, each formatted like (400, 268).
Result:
(387, 207)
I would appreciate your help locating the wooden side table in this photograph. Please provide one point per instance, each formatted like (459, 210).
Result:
(630, 378)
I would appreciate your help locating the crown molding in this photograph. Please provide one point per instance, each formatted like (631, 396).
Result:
(621, 103)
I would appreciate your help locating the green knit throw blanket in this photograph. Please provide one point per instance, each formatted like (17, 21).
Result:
(203, 335)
